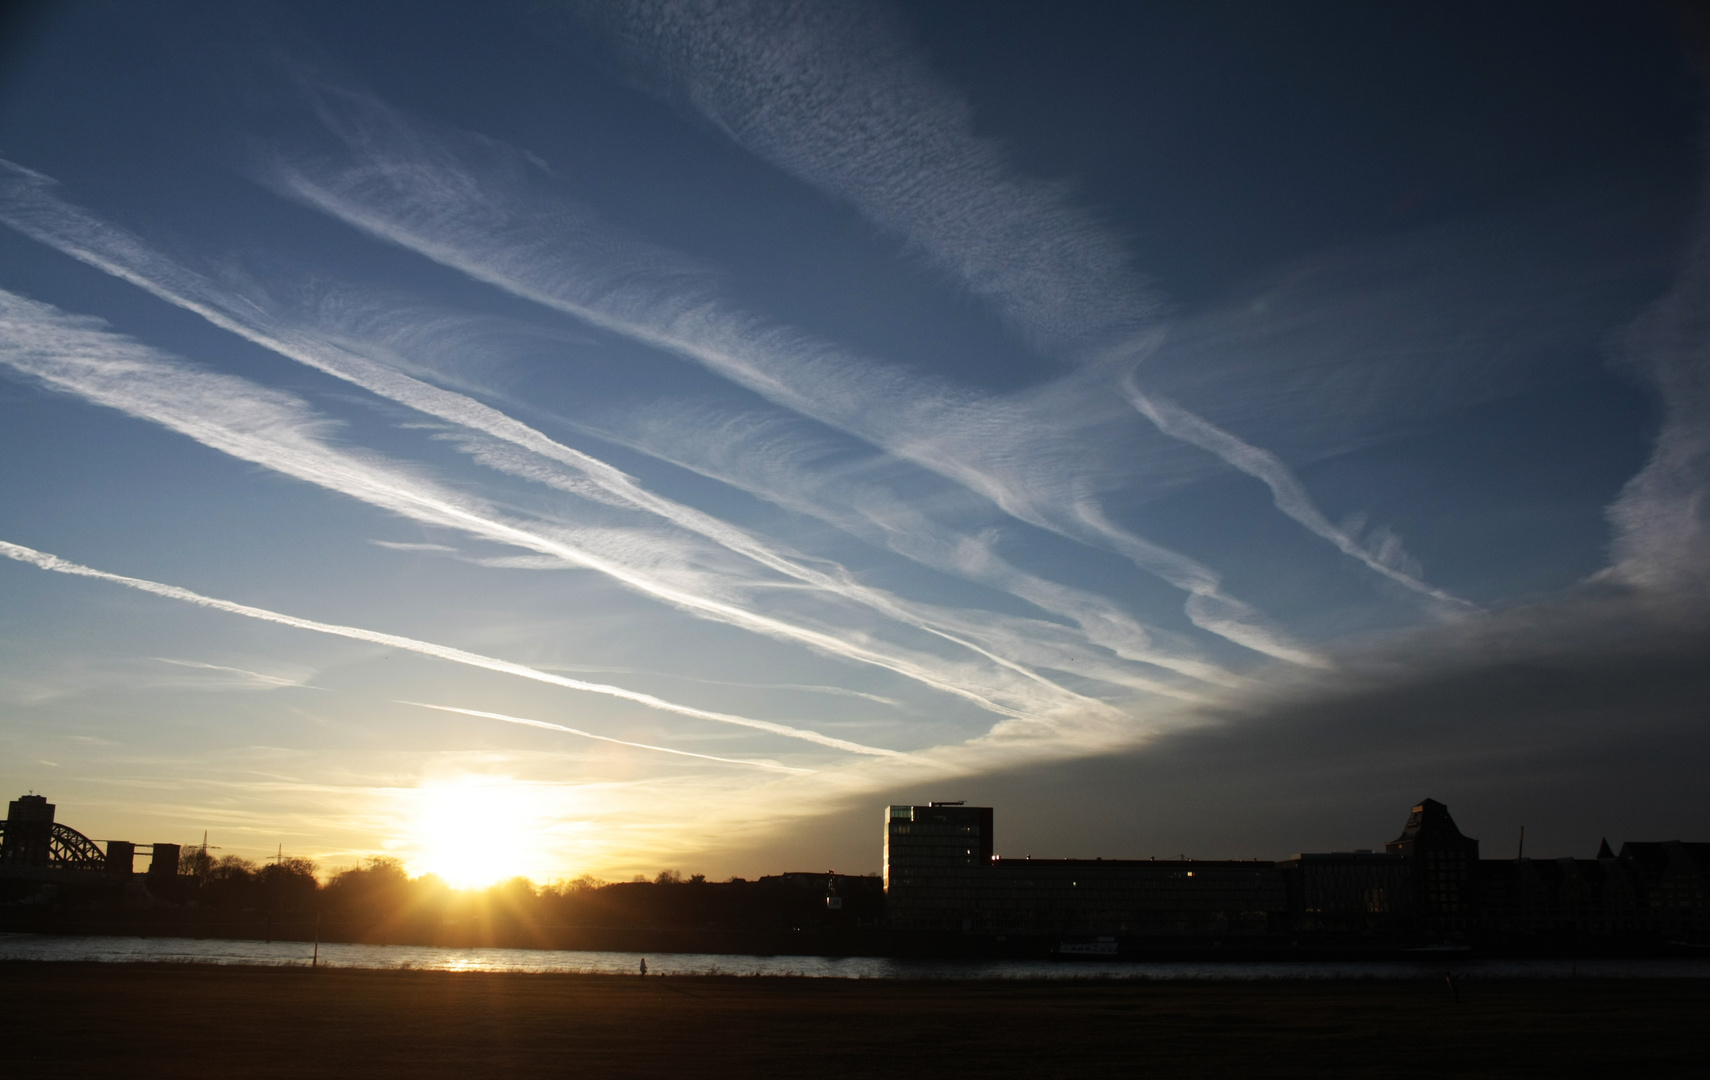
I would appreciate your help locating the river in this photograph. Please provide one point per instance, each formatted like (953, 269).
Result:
(127, 950)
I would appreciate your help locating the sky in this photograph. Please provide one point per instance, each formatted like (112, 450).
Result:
(557, 438)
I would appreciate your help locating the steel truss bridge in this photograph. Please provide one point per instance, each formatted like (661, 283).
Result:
(54, 853)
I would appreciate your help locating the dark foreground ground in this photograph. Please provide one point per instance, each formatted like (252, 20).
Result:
(99, 1020)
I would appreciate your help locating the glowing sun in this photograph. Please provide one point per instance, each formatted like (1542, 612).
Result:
(477, 830)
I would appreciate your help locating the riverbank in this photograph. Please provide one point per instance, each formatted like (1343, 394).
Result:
(100, 1020)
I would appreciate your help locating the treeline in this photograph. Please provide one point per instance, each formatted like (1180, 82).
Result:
(379, 898)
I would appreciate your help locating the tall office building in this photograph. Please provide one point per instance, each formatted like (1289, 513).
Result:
(937, 864)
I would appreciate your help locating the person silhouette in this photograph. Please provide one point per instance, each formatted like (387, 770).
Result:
(644, 967)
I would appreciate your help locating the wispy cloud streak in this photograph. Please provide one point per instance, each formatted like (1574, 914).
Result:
(748, 453)
(277, 430)
(249, 678)
(1662, 516)
(835, 93)
(427, 648)
(29, 204)
(1287, 492)
(405, 184)
(773, 765)
(806, 688)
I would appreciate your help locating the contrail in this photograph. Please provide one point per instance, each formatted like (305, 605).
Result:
(870, 123)
(427, 648)
(807, 687)
(270, 680)
(604, 738)
(739, 453)
(1287, 492)
(33, 210)
(276, 430)
(527, 258)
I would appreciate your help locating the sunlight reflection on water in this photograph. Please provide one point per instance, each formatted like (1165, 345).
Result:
(430, 958)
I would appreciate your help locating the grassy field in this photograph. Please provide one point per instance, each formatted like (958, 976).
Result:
(89, 1020)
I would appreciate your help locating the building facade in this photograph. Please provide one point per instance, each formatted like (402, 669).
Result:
(937, 865)
(1343, 892)
(1445, 868)
(941, 875)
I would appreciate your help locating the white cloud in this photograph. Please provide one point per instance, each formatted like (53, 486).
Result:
(1662, 516)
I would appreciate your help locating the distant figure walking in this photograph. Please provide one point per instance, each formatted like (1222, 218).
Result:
(644, 967)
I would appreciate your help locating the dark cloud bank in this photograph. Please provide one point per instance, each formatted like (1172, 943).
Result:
(1581, 718)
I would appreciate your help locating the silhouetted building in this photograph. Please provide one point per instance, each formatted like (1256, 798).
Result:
(1556, 896)
(1673, 878)
(34, 847)
(937, 864)
(29, 831)
(1350, 891)
(940, 874)
(1445, 868)
(1144, 897)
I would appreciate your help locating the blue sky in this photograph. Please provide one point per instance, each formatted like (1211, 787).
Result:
(679, 429)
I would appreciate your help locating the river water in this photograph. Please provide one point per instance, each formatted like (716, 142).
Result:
(126, 950)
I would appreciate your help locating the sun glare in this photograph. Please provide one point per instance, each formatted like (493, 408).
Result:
(477, 830)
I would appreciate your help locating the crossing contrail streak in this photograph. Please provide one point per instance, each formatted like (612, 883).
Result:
(444, 209)
(29, 203)
(1287, 492)
(604, 738)
(427, 648)
(870, 123)
(236, 417)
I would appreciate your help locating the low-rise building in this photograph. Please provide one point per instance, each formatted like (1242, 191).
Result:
(943, 875)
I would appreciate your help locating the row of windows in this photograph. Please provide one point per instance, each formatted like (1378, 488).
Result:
(933, 828)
